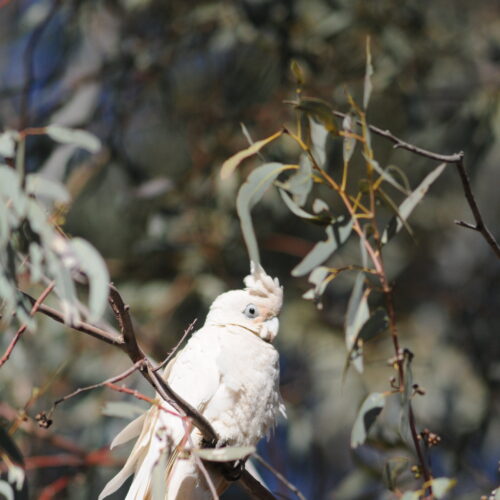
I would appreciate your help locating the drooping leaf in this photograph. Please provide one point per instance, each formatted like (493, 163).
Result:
(6, 490)
(497, 494)
(441, 486)
(45, 188)
(122, 409)
(368, 86)
(337, 234)
(387, 201)
(92, 264)
(406, 208)
(77, 137)
(249, 194)
(4, 225)
(300, 183)
(229, 166)
(385, 174)
(36, 261)
(349, 142)
(356, 316)
(319, 277)
(10, 189)
(8, 143)
(294, 208)
(393, 468)
(369, 411)
(320, 110)
(320, 206)
(376, 324)
(319, 136)
(411, 495)
(228, 454)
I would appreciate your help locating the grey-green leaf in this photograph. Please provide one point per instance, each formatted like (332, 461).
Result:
(77, 137)
(406, 208)
(349, 144)
(8, 143)
(369, 411)
(249, 194)
(45, 188)
(441, 486)
(300, 183)
(376, 324)
(122, 409)
(228, 454)
(92, 264)
(337, 235)
(368, 86)
(411, 495)
(294, 208)
(6, 490)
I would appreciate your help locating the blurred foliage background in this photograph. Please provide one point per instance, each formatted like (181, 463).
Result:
(165, 86)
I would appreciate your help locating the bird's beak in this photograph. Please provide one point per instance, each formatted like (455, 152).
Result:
(270, 329)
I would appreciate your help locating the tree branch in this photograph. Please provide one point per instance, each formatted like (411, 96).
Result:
(456, 159)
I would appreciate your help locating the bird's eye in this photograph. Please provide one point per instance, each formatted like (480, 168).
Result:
(251, 311)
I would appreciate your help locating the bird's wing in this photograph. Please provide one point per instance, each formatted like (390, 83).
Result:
(194, 375)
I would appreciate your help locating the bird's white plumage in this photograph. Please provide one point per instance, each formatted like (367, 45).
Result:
(229, 372)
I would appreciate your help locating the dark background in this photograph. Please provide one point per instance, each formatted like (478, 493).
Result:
(165, 86)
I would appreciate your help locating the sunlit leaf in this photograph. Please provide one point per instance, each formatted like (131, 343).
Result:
(122, 409)
(10, 189)
(319, 136)
(16, 476)
(8, 143)
(36, 261)
(320, 110)
(406, 208)
(320, 206)
(393, 468)
(369, 411)
(92, 264)
(411, 495)
(6, 490)
(76, 137)
(229, 166)
(249, 194)
(300, 183)
(441, 486)
(4, 225)
(385, 174)
(229, 454)
(318, 278)
(337, 234)
(349, 142)
(45, 188)
(294, 208)
(368, 86)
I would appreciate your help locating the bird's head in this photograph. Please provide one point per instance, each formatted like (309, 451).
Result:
(255, 308)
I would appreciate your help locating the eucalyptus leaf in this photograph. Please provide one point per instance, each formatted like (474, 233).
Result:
(76, 137)
(8, 143)
(45, 188)
(411, 495)
(376, 324)
(406, 208)
(300, 183)
(441, 486)
(393, 468)
(92, 264)
(4, 225)
(349, 142)
(369, 411)
(319, 136)
(320, 110)
(228, 454)
(368, 86)
(293, 207)
(337, 234)
(6, 490)
(230, 165)
(249, 194)
(385, 174)
(122, 409)
(36, 262)
(10, 189)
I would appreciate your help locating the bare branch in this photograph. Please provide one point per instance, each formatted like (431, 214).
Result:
(471, 200)
(22, 328)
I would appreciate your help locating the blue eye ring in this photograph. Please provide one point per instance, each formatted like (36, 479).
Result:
(251, 311)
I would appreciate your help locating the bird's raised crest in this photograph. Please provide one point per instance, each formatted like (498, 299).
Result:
(259, 283)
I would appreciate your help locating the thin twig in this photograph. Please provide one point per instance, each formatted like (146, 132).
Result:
(24, 327)
(471, 200)
(173, 352)
(111, 380)
(279, 476)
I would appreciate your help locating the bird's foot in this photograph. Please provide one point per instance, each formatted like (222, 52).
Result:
(232, 470)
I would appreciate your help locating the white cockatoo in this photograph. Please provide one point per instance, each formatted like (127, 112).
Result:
(229, 372)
